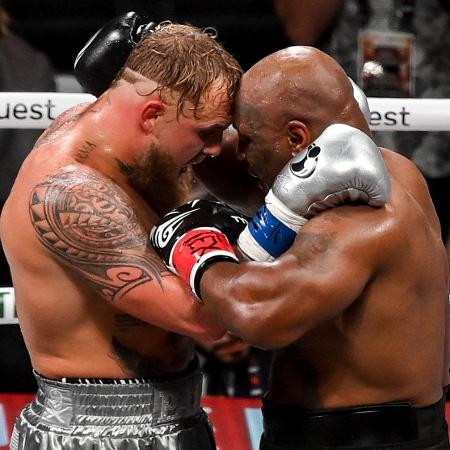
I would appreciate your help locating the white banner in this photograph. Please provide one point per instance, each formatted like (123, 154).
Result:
(410, 114)
(8, 313)
(38, 109)
(35, 109)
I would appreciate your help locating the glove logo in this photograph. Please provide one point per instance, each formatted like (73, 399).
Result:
(204, 241)
(240, 219)
(163, 233)
(308, 162)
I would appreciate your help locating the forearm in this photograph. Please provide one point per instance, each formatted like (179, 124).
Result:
(216, 291)
(251, 301)
(240, 294)
(172, 306)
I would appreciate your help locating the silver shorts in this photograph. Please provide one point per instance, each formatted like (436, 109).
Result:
(163, 415)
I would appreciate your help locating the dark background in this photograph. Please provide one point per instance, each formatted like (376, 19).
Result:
(249, 29)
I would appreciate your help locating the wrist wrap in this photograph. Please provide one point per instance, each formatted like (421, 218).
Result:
(271, 231)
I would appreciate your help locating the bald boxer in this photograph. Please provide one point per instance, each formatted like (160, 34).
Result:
(356, 306)
(102, 317)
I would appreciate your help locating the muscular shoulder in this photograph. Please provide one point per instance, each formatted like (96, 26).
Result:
(61, 122)
(404, 170)
(83, 207)
(410, 195)
(90, 225)
(358, 232)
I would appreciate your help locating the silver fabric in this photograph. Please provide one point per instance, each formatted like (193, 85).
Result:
(343, 163)
(163, 415)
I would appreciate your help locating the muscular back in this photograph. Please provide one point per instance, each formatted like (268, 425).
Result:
(379, 334)
(87, 284)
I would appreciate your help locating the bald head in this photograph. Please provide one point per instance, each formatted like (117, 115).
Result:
(301, 83)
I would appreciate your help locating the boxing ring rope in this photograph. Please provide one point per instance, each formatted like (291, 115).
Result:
(38, 109)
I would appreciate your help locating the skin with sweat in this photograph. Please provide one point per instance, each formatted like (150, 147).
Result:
(93, 298)
(356, 309)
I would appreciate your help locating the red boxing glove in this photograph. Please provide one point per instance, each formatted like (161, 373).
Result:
(196, 250)
(196, 234)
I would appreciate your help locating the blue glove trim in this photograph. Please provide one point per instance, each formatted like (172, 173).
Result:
(270, 233)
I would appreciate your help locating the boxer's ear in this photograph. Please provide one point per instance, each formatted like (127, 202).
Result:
(149, 113)
(299, 136)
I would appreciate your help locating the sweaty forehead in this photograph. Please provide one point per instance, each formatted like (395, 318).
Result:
(247, 117)
(259, 86)
(248, 91)
(251, 105)
(216, 102)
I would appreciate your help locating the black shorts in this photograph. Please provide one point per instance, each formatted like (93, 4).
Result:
(387, 426)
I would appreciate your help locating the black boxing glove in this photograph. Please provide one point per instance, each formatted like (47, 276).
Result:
(97, 64)
(194, 235)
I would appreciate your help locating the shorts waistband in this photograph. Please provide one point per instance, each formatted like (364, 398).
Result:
(363, 426)
(151, 402)
(191, 367)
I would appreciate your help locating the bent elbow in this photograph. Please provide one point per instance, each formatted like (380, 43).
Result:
(264, 331)
(260, 316)
(209, 333)
(268, 340)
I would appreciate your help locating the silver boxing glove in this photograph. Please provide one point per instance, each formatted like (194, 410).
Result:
(342, 164)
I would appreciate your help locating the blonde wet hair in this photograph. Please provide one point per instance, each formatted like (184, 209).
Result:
(184, 59)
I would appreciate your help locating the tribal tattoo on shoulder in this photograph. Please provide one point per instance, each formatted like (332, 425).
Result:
(89, 223)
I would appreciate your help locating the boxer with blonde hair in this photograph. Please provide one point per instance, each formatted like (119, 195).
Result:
(109, 329)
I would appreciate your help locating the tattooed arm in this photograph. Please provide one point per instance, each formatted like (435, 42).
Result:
(271, 305)
(88, 223)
